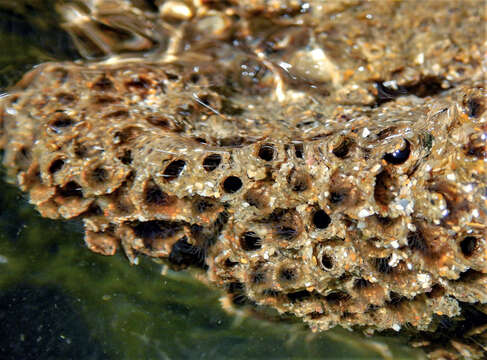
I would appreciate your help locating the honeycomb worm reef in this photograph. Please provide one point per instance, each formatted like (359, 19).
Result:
(327, 160)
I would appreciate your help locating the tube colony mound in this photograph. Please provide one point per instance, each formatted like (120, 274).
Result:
(324, 160)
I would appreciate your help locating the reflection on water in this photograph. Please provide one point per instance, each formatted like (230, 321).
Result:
(58, 300)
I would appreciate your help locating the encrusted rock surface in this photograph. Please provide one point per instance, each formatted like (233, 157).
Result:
(325, 159)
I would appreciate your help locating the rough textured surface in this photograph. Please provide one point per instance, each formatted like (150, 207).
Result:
(334, 170)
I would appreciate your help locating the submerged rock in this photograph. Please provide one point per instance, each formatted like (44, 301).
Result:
(325, 160)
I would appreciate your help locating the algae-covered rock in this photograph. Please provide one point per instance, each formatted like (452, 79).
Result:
(324, 160)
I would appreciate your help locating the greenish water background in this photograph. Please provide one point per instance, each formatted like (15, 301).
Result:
(60, 301)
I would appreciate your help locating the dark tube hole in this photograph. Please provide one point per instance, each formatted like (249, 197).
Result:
(337, 197)
(229, 263)
(62, 121)
(71, 189)
(399, 156)
(468, 246)
(258, 277)
(56, 165)
(103, 84)
(155, 196)
(211, 162)
(382, 265)
(232, 184)
(287, 274)
(186, 254)
(341, 151)
(250, 241)
(299, 295)
(327, 262)
(361, 283)
(174, 169)
(267, 152)
(299, 150)
(126, 157)
(159, 121)
(474, 107)
(99, 175)
(321, 220)
(286, 232)
(416, 241)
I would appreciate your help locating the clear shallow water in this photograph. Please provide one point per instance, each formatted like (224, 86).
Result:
(60, 301)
